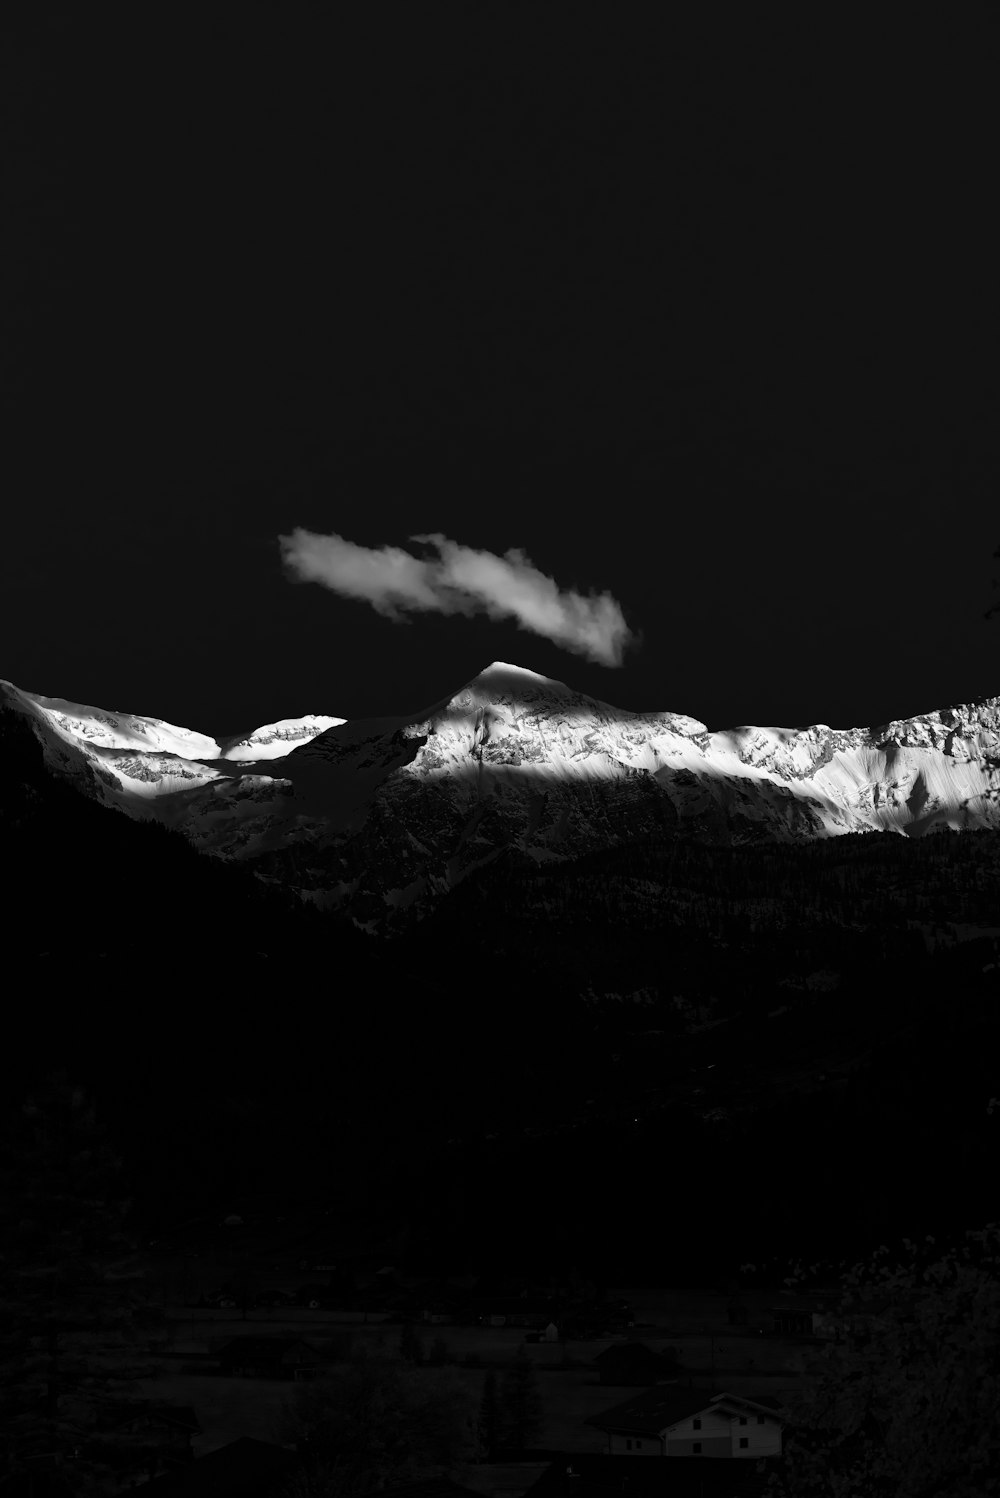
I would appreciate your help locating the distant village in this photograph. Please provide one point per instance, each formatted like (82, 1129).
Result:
(701, 1379)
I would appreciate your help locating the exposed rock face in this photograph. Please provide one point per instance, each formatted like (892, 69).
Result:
(276, 739)
(383, 816)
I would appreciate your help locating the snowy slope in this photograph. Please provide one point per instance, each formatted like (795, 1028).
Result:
(511, 730)
(276, 739)
(145, 766)
(97, 728)
(387, 814)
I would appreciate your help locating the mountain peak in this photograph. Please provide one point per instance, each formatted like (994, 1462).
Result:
(514, 760)
(504, 677)
(507, 668)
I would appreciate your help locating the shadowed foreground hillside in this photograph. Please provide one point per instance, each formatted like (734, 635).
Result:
(805, 1032)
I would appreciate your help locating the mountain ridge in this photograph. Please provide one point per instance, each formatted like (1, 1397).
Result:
(545, 1021)
(383, 816)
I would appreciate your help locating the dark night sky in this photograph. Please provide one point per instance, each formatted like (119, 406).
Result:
(703, 318)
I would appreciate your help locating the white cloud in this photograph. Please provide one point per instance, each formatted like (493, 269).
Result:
(461, 580)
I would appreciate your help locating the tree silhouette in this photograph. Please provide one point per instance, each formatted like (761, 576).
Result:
(520, 1404)
(378, 1417)
(79, 1322)
(490, 1418)
(323, 1478)
(411, 1347)
(912, 1409)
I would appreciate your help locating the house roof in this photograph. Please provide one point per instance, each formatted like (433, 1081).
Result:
(619, 1351)
(180, 1415)
(432, 1487)
(764, 1405)
(599, 1476)
(506, 1305)
(762, 1401)
(268, 1348)
(244, 1469)
(177, 1416)
(652, 1410)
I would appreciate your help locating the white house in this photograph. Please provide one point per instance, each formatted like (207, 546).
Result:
(549, 1333)
(689, 1422)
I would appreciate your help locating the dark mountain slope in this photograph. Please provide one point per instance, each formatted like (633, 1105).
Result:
(825, 1010)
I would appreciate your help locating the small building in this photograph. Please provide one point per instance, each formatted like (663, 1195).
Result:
(822, 1314)
(530, 1315)
(268, 1357)
(145, 1429)
(688, 1422)
(439, 1304)
(150, 1414)
(786, 1322)
(535, 1318)
(177, 1424)
(371, 1272)
(853, 1323)
(431, 1487)
(549, 1333)
(793, 1315)
(634, 1364)
(800, 1313)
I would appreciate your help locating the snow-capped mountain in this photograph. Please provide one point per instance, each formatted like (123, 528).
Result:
(276, 739)
(140, 764)
(383, 816)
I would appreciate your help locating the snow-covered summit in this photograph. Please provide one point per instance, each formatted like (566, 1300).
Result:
(395, 810)
(503, 683)
(276, 739)
(130, 761)
(505, 722)
(501, 679)
(513, 731)
(96, 727)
